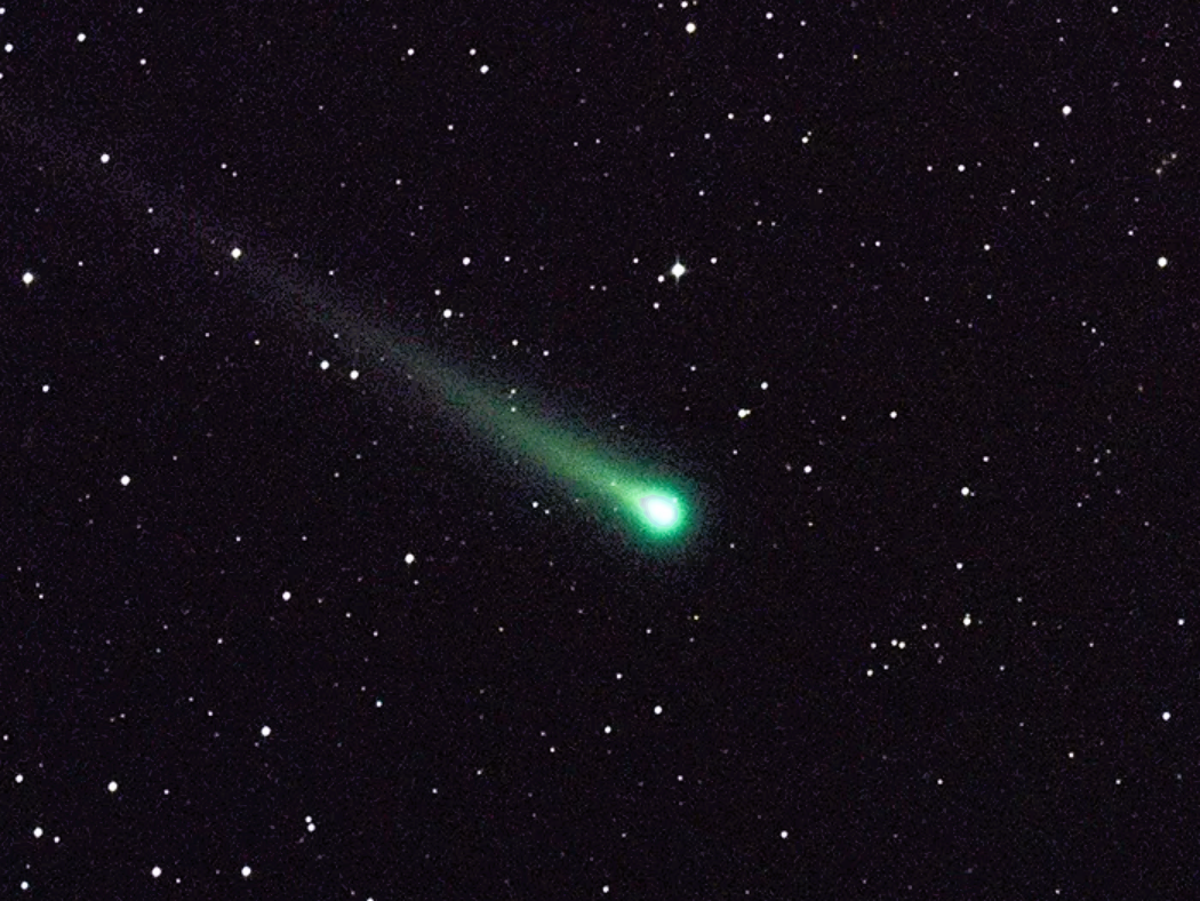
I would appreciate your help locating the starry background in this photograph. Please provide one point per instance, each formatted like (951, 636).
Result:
(275, 624)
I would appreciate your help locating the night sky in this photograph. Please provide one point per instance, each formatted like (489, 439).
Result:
(903, 298)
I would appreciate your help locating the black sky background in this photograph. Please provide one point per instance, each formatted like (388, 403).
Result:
(871, 684)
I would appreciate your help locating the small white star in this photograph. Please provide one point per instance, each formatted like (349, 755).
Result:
(678, 270)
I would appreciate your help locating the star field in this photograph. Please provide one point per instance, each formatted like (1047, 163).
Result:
(668, 451)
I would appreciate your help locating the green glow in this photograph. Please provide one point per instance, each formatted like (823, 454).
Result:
(658, 512)
(653, 509)
(661, 511)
